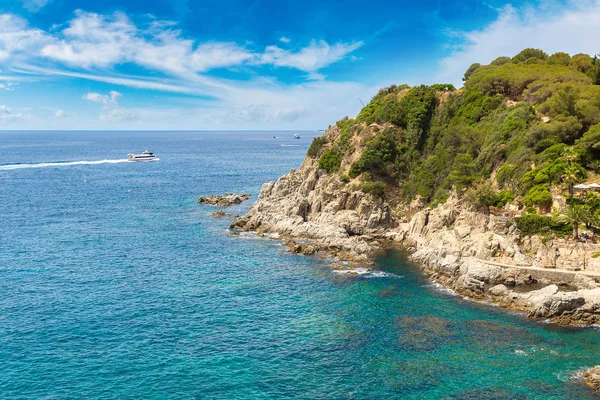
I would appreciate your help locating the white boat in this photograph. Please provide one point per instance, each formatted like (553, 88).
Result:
(145, 156)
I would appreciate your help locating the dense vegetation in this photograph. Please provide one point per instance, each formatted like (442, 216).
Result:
(517, 128)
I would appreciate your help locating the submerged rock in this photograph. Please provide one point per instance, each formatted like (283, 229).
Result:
(222, 214)
(224, 200)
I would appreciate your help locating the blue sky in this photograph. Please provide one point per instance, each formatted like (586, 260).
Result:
(185, 64)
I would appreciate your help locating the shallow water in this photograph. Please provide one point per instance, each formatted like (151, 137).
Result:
(114, 283)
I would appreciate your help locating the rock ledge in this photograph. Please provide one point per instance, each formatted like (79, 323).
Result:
(225, 200)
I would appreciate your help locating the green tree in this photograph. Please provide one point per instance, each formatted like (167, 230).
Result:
(464, 171)
(577, 214)
(570, 175)
(528, 53)
(500, 61)
(470, 71)
(565, 100)
(559, 58)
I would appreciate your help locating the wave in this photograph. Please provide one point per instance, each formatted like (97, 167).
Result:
(366, 272)
(9, 167)
(289, 145)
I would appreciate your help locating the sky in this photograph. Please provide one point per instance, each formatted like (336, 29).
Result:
(253, 64)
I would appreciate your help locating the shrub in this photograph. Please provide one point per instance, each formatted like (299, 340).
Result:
(539, 195)
(316, 146)
(376, 188)
(485, 196)
(533, 224)
(378, 157)
(504, 197)
(345, 178)
(330, 161)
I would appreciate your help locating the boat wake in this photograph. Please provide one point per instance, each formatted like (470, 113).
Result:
(8, 167)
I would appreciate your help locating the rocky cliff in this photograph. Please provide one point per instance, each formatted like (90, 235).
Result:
(475, 253)
(319, 213)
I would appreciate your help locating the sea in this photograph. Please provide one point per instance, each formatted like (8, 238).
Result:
(116, 284)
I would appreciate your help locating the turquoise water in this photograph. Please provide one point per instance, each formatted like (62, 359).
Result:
(114, 283)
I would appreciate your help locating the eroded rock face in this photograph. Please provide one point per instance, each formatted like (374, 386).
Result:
(307, 205)
(224, 200)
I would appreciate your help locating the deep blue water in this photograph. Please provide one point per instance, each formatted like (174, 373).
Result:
(115, 283)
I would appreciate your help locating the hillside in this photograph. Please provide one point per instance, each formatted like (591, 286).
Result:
(475, 183)
(521, 128)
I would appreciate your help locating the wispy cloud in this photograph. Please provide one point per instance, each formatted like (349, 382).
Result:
(575, 29)
(285, 39)
(317, 55)
(35, 5)
(96, 47)
(8, 86)
(97, 41)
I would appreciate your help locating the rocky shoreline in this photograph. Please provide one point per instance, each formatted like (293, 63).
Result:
(476, 254)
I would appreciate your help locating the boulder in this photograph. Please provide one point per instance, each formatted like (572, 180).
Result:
(224, 200)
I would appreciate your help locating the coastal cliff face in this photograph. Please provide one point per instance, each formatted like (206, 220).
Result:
(451, 175)
(483, 256)
(476, 254)
(318, 213)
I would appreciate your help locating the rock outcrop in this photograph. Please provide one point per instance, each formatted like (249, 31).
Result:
(224, 200)
(318, 212)
(591, 378)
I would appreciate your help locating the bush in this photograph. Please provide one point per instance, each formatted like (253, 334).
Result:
(330, 161)
(533, 224)
(378, 157)
(316, 146)
(485, 196)
(376, 188)
(504, 197)
(539, 195)
(345, 178)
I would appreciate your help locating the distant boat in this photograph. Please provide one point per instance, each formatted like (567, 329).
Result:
(296, 136)
(145, 156)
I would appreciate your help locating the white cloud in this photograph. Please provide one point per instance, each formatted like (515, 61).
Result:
(111, 111)
(317, 55)
(17, 40)
(109, 100)
(94, 46)
(215, 55)
(7, 115)
(575, 30)
(94, 40)
(35, 5)
(284, 39)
